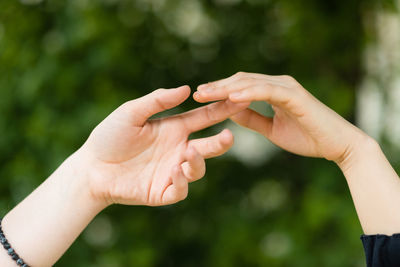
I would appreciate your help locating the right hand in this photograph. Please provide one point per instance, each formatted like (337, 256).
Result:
(301, 123)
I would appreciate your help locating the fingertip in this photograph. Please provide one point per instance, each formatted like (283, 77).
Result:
(196, 96)
(183, 92)
(184, 88)
(227, 134)
(199, 97)
(226, 137)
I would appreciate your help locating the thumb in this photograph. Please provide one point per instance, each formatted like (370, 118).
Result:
(159, 100)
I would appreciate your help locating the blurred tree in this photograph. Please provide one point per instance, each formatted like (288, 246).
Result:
(64, 65)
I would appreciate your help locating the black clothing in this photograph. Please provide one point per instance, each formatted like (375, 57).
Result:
(382, 250)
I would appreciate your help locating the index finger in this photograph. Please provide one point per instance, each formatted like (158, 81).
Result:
(221, 89)
(234, 78)
(206, 116)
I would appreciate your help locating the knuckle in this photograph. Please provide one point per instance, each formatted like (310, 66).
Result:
(289, 79)
(247, 80)
(160, 103)
(159, 90)
(214, 148)
(302, 94)
(127, 106)
(286, 77)
(240, 74)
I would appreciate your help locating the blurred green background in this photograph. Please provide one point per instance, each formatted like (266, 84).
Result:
(65, 65)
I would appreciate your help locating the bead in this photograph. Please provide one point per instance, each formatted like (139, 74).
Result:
(10, 250)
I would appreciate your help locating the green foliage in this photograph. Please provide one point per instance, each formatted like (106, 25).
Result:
(64, 65)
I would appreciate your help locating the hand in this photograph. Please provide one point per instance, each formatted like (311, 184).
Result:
(301, 124)
(138, 161)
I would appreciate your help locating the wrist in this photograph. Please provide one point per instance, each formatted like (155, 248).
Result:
(59, 209)
(361, 145)
(78, 173)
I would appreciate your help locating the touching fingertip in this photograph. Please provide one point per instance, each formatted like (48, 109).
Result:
(226, 132)
(196, 95)
(199, 97)
(186, 87)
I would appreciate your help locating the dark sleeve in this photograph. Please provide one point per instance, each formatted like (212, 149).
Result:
(382, 250)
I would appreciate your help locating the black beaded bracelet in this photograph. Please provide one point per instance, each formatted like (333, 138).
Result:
(10, 250)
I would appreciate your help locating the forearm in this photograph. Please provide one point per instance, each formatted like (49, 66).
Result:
(45, 224)
(374, 186)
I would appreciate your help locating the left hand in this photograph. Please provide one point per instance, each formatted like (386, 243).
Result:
(138, 161)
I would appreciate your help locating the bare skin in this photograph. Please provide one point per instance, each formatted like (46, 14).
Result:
(305, 126)
(128, 159)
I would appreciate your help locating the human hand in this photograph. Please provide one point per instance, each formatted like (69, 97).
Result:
(138, 161)
(301, 123)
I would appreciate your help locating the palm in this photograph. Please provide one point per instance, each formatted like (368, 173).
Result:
(139, 159)
(288, 133)
(136, 156)
(301, 128)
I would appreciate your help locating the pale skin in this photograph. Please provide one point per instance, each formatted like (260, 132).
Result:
(304, 126)
(128, 159)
